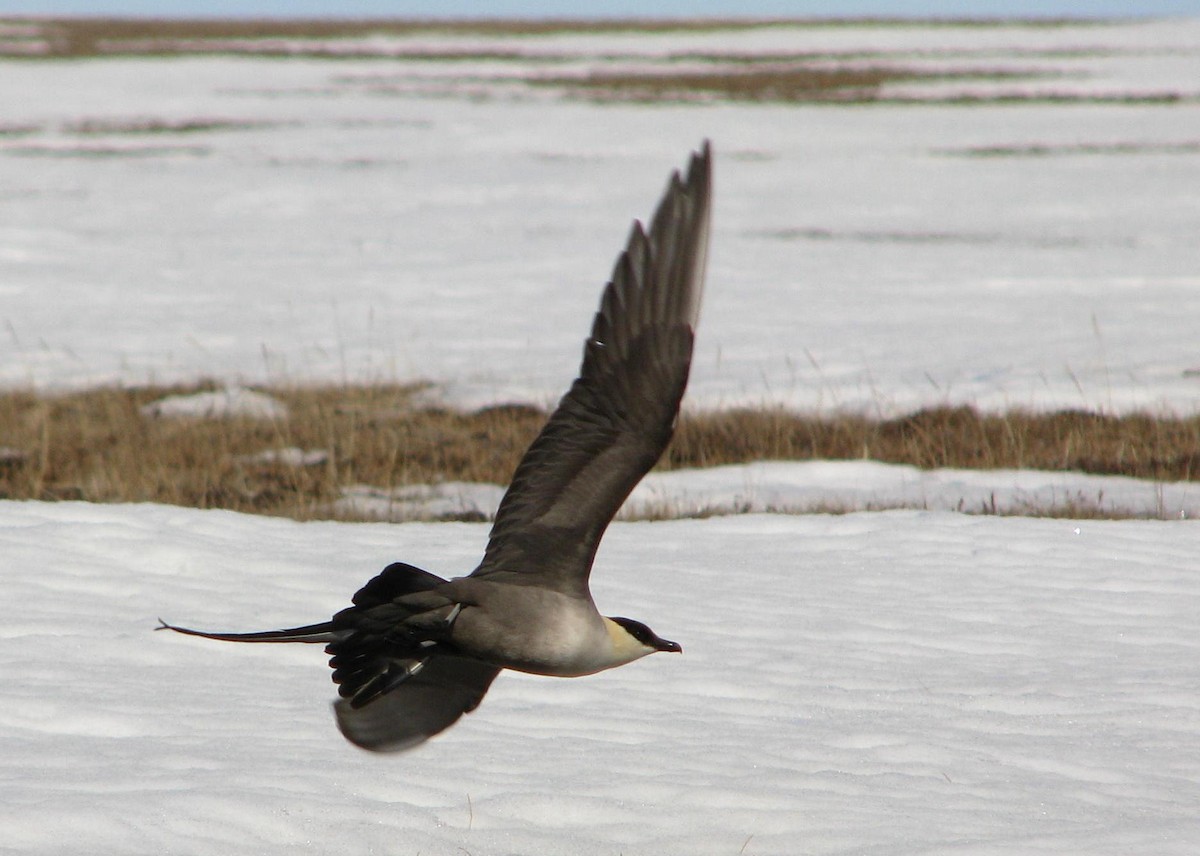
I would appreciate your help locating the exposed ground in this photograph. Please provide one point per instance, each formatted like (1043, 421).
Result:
(85, 37)
(99, 445)
(836, 77)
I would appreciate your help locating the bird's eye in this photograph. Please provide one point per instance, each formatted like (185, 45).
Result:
(637, 630)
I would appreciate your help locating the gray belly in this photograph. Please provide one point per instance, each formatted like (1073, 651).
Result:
(534, 630)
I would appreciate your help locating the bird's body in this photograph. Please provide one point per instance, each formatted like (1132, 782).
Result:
(414, 651)
(571, 638)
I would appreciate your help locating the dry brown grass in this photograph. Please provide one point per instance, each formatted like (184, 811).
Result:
(847, 84)
(84, 37)
(1152, 447)
(1048, 150)
(851, 84)
(97, 445)
(148, 126)
(854, 78)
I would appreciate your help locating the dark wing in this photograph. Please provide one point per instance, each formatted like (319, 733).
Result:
(617, 418)
(399, 623)
(430, 701)
(399, 676)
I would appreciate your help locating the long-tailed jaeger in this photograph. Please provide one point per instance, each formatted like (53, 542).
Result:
(415, 652)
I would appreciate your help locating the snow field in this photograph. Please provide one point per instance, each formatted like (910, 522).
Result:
(901, 682)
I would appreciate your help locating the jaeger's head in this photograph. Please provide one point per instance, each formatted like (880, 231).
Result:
(633, 640)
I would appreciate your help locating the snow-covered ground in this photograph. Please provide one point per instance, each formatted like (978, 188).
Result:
(806, 487)
(433, 220)
(900, 682)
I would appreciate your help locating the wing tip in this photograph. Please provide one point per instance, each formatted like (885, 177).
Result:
(690, 201)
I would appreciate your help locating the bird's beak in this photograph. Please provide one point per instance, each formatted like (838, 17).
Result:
(667, 645)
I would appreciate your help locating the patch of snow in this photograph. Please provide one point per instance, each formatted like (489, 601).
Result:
(468, 396)
(289, 456)
(808, 486)
(233, 402)
(443, 501)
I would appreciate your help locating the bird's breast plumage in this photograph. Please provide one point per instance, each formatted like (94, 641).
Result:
(534, 630)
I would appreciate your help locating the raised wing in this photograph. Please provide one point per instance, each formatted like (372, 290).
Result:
(617, 418)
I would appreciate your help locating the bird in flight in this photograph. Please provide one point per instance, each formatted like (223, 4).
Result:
(415, 652)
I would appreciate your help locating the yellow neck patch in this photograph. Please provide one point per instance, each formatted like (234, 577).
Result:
(625, 649)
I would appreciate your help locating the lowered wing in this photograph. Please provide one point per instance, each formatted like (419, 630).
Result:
(430, 701)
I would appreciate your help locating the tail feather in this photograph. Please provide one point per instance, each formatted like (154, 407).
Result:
(322, 633)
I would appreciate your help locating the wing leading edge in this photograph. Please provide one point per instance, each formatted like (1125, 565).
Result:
(618, 416)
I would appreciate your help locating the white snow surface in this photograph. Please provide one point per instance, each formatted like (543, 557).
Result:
(798, 487)
(446, 500)
(806, 487)
(898, 682)
(381, 219)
